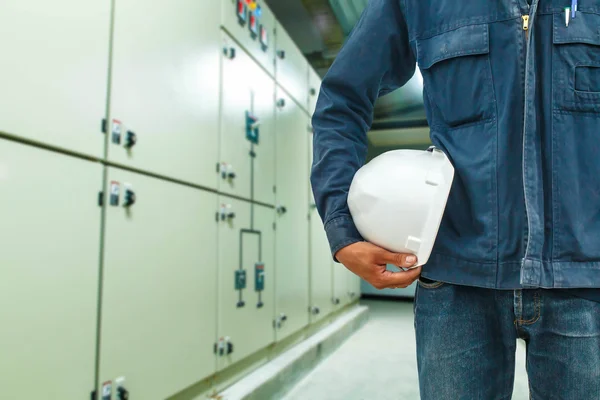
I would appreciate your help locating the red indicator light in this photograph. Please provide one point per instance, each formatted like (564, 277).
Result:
(241, 11)
(253, 24)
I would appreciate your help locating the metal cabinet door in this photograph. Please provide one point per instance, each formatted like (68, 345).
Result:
(49, 262)
(291, 237)
(321, 274)
(321, 284)
(54, 72)
(159, 293)
(247, 91)
(246, 305)
(258, 42)
(353, 288)
(340, 285)
(314, 87)
(165, 88)
(291, 68)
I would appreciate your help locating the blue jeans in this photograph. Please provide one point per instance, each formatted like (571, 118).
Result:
(466, 342)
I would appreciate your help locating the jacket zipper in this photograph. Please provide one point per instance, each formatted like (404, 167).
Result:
(525, 25)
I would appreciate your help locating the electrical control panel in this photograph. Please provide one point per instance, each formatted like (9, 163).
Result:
(160, 277)
(165, 89)
(53, 82)
(291, 247)
(252, 24)
(198, 164)
(321, 263)
(246, 308)
(49, 275)
(247, 136)
(291, 67)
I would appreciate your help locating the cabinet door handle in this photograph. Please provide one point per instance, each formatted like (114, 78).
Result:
(129, 198)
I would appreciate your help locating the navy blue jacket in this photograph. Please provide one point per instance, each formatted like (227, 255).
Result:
(512, 96)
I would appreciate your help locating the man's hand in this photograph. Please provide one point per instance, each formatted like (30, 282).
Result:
(369, 262)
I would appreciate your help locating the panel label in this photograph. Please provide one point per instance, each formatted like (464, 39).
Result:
(117, 128)
(240, 279)
(107, 390)
(259, 277)
(115, 189)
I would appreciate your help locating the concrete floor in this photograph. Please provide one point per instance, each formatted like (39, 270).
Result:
(379, 362)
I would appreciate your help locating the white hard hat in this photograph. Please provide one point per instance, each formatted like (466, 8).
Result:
(398, 199)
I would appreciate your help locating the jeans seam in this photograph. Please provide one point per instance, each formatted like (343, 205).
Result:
(537, 308)
(519, 307)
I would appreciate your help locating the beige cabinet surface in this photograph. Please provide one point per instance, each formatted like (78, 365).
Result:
(291, 238)
(165, 89)
(246, 280)
(49, 268)
(247, 147)
(159, 293)
(54, 64)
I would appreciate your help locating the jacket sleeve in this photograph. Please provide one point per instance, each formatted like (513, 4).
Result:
(375, 60)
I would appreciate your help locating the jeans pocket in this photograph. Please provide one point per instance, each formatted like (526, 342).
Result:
(428, 283)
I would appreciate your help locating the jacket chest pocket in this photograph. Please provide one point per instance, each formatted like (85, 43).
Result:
(457, 75)
(576, 63)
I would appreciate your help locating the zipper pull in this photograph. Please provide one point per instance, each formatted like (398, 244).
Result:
(525, 22)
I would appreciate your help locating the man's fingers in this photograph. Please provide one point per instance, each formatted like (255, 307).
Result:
(397, 259)
(389, 279)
